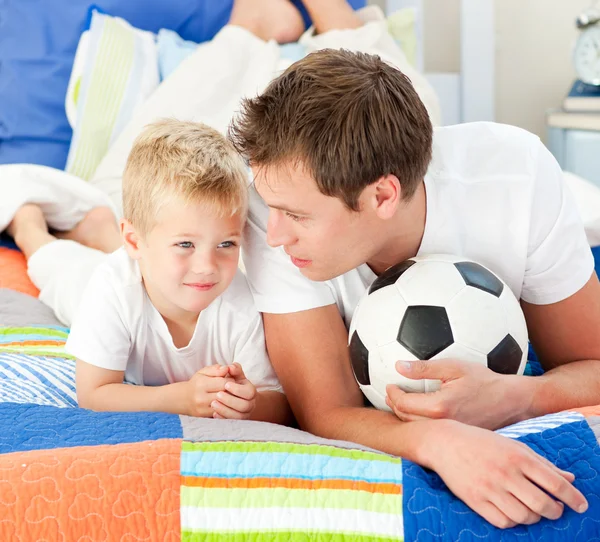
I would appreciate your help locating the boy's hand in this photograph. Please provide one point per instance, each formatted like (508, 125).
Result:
(202, 390)
(239, 398)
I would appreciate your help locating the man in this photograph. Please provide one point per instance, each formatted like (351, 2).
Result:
(342, 153)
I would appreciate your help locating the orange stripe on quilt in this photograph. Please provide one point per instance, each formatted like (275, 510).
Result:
(588, 411)
(34, 343)
(13, 272)
(290, 483)
(100, 493)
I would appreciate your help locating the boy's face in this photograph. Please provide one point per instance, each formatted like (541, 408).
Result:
(322, 237)
(189, 257)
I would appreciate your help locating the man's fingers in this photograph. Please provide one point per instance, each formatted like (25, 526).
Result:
(442, 369)
(494, 515)
(514, 508)
(424, 405)
(536, 500)
(569, 476)
(553, 481)
(403, 416)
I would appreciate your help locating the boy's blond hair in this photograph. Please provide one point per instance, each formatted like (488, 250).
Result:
(189, 160)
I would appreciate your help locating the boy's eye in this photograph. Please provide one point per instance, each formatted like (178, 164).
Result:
(185, 244)
(227, 244)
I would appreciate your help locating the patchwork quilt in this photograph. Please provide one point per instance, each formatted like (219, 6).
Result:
(69, 474)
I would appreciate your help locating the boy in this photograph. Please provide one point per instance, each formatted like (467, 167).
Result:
(170, 310)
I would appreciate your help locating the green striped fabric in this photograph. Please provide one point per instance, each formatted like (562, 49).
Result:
(34, 341)
(274, 491)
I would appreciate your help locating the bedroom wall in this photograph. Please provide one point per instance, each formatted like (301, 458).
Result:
(534, 41)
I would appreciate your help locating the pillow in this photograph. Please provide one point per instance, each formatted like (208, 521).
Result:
(35, 69)
(115, 70)
(587, 199)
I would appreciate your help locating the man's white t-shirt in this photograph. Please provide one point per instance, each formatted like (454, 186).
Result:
(117, 327)
(495, 195)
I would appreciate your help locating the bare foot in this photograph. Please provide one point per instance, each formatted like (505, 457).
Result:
(277, 20)
(29, 229)
(98, 229)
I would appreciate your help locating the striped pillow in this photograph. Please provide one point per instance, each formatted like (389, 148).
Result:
(115, 70)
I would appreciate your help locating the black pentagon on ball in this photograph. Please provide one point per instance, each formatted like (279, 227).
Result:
(479, 277)
(506, 357)
(391, 275)
(359, 356)
(425, 331)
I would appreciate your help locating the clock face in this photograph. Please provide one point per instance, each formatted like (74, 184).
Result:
(586, 56)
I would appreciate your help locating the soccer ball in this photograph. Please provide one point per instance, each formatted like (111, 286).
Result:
(434, 307)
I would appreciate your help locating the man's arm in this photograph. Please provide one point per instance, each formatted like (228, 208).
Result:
(566, 338)
(497, 477)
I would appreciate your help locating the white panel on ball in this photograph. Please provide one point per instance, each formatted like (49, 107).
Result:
(379, 316)
(477, 319)
(430, 283)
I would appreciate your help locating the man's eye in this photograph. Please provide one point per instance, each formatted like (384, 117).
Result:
(185, 244)
(295, 218)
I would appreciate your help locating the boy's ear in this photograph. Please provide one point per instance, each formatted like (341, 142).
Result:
(131, 239)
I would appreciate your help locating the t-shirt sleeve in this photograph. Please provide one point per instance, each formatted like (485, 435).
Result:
(559, 259)
(98, 335)
(251, 353)
(277, 285)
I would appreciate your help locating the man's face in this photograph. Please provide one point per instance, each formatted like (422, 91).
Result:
(322, 237)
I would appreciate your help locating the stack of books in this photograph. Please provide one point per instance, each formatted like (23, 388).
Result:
(580, 109)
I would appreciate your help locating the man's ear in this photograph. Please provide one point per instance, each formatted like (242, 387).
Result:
(131, 239)
(387, 196)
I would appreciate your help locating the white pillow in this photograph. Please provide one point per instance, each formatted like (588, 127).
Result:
(587, 199)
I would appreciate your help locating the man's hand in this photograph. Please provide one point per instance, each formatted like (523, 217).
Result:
(501, 479)
(203, 388)
(470, 393)
(239, 398)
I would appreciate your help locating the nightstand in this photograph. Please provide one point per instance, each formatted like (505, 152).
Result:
(574, 139)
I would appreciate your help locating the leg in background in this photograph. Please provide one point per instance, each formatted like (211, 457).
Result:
(332, 15)
(98, 230)
(269, 19)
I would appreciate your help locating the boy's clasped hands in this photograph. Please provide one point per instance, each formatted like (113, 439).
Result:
(221, 391)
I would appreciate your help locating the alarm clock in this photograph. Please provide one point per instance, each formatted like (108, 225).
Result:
(586, 54)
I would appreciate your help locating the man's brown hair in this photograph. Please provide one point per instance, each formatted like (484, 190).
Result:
(347, 118)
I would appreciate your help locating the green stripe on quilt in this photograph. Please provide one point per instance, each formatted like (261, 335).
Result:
(290, 498)
(105, 91)
(281, 536)
(34, 341)
(283, 447)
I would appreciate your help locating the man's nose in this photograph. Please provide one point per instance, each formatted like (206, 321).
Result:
(278, 232)
(205, 263)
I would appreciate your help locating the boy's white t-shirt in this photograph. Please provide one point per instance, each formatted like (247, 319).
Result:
(495, 195)
(117, 327)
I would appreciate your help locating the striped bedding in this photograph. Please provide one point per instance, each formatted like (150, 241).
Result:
(76, 475)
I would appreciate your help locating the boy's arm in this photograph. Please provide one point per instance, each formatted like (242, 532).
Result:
(103, 389)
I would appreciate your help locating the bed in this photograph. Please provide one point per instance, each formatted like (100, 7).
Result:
(69, 474)
(72, 474)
